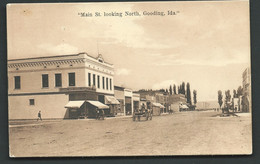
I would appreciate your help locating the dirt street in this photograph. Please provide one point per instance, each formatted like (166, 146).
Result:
(185, 133)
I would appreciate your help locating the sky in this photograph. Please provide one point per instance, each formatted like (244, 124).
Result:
(206, 43)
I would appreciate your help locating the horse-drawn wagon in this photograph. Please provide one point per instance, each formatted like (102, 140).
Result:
(143, 113)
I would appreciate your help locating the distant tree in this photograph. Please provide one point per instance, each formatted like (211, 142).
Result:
(188, 94)
(183, 88)
(166, 91)
(179, 90)
(235, 94)
(220, 101)
(228, 96)
(170, 89)
(195, 97)
(162, 90)
(174, 89)
(227, 99)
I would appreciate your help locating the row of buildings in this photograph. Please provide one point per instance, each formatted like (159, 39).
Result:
(74, 86)
(242, 102)
(246, 101)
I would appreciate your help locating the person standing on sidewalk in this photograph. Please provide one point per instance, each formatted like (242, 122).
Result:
(97, 114)
(39, 116)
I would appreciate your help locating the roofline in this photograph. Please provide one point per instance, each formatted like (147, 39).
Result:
(44, 57)
(96, 59)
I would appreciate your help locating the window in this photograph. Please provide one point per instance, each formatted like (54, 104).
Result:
(89, 79)
(94, 79)
(45, 81)
(31, 101)
(103, 81)
(58, 80)
(110, 84)
(17, 82)
(71, 79)
(98, 81)
(107, 83)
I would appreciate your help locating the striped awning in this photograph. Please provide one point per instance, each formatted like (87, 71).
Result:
(184, 106)
(74, 104)
(158, 105)
(98, 104)
(111, 100)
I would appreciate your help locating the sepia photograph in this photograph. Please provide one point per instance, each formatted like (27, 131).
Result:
(129, 79)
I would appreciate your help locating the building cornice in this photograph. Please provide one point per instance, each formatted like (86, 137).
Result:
(46, 63)
(58, 69)
(42, 61)
(44, 57)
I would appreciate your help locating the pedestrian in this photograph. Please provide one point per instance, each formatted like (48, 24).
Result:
(97, 113)
(103, 114)
(39, 116)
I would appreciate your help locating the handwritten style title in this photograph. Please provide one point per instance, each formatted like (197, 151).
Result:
(127, 13)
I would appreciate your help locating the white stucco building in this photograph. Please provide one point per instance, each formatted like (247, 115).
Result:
(47, 84)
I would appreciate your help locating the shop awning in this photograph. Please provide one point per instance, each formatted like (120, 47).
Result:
(98, 104)
(184, 106)
(111, 100)
(158, 105)
(74, 104)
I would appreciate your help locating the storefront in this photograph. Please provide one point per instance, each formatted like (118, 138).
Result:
(136, 101)
(77, 109)
(129, 108)
(128, 105)
(113, 104)
(85, 109)
(93, 106)
(119, 95)
(157, 109)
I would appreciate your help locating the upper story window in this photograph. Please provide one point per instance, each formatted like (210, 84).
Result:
(17, 82)
(107, 83)
(103, 82)
(72, 79)
(45, 81)
(58, 80)
(89, 79)
(98, 81)
(110, 84)
(94, 79)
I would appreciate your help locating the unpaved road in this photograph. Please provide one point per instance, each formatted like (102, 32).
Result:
(186, 133)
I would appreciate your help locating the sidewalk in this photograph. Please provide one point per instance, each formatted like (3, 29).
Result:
(24, 123)
(243, 114)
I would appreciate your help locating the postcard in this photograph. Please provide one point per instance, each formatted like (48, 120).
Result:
(129, 79)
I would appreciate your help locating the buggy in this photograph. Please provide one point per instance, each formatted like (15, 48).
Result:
(147, 113)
